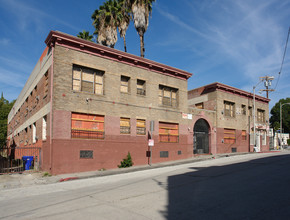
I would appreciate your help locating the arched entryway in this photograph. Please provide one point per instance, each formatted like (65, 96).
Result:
(201, 137)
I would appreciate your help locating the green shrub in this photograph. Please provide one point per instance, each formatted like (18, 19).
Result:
(127, 162)
(45, 174)
(288, 142)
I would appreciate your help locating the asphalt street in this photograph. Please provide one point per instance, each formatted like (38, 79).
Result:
(253, 186)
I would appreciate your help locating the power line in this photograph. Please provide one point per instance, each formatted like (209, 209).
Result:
(279, 74)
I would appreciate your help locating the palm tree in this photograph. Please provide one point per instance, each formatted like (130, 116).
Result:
(85, 35)
(141, 9)
(123, 19)
(105, 23)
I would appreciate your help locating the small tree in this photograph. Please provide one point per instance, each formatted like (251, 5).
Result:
(127, 162)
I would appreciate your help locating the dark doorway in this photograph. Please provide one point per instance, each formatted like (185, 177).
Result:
(201, 137)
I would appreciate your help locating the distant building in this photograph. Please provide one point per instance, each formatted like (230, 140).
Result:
(223, 119)
(280, 140)
(85, 106)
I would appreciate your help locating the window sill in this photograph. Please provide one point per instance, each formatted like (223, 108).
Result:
(92, 139)
(126, 93)
(88, 93)
(167, 106)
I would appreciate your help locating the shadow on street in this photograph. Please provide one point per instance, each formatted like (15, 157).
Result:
(257, 189)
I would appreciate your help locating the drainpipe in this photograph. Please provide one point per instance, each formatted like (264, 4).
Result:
(51, 95)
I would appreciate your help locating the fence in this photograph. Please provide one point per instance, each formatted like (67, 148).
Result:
(11, 159)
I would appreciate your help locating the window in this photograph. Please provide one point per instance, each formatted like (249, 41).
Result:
(244, 111)
(141, 90)
(261, 115)
(141, 127)
(250, 111)
(244, 135)
(34, 133)
(88, 80)
(229, 136)
(199, 105)
(167, 96)
(125, 126)
(168, 132)
(87, 126)
(46, 84)
(125, 85)
(44, 122)
(229, 108)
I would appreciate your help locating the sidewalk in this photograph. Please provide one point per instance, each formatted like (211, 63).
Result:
(17, 180)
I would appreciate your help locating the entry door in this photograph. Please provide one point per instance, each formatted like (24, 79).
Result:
(201, 143)
(201, 137)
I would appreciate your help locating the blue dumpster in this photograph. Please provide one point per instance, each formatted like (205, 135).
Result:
(27, 161)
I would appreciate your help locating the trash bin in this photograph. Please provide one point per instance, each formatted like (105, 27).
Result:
(27, 162)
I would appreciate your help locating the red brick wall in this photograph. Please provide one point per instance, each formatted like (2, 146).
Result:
(109, 152)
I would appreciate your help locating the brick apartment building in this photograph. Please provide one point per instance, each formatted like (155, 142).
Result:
(223, 119)
(86, 106)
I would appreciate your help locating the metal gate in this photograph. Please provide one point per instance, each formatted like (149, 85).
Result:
(201, 137)
(11, 159)
(271, 142)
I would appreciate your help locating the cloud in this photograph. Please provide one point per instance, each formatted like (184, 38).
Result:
(15, 64)
(14, 79)
(4, 41)
(244, 33)
(26, 14)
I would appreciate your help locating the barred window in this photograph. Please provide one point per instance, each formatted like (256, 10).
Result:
(250, 111)
(45, 84)
(125, 127)
(168, 132)
(229, 109)
(244, 111)
(87, 126)
(167, 96)
(88, 80)
(244, 135)
(199, 105)
(125, 84)
(141, 127)
(261, 115)
(229, 136)
(141, 90)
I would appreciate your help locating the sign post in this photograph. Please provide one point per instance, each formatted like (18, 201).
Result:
(151, 141)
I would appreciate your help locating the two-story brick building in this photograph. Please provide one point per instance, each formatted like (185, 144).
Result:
(223, 119)
(86, 106)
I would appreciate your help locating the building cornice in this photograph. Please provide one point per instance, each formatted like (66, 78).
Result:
(226, 88)
(222, 87)
(59, 38)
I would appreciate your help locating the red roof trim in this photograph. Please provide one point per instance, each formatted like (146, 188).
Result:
(59, 38)
(222, 87)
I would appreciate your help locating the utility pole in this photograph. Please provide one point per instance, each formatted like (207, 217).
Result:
(267, 83)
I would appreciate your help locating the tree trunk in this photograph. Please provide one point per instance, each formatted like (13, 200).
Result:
(142, 49)
(125, 47)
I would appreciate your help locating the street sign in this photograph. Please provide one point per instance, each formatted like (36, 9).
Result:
(150, 142)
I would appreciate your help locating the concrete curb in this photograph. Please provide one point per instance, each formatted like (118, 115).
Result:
(29, 179)
(148, 167)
